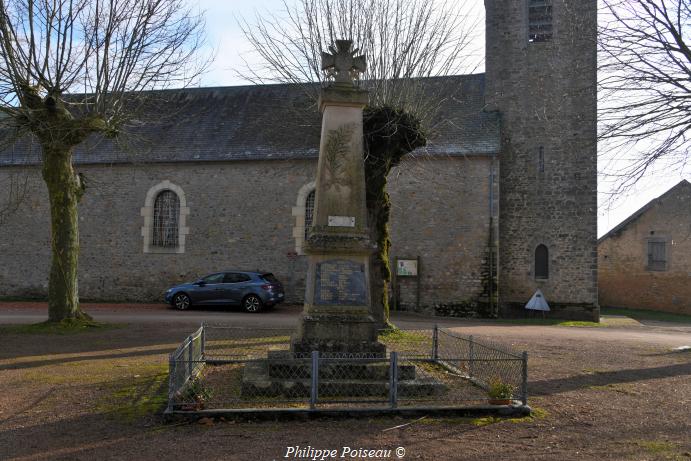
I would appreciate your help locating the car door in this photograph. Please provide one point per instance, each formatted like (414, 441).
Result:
(209, 290)
(233, 282)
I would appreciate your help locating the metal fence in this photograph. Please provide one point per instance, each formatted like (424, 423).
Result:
(229, 368)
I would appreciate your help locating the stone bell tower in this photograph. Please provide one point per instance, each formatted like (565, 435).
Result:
(541, 77)
(337, 315)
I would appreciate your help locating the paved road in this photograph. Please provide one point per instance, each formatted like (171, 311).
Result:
(287, 316)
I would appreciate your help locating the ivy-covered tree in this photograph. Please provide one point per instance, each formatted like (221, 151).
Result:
(403, 40)
(70, 69)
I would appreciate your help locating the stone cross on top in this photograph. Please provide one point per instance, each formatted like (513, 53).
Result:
(342, 64)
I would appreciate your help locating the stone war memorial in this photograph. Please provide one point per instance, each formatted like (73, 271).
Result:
(337, 315)
(337, 321)
(337, 360)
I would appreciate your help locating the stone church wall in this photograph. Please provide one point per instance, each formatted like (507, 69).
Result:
(440, 212)
(240, 216)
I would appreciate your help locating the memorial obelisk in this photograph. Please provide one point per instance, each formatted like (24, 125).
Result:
(337, 315)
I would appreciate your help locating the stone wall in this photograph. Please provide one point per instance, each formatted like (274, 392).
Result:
(625, 280)
(240, 216)
(440, 211)
(546, 93)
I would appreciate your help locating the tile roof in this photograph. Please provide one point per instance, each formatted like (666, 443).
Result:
(263, 122)
(616, 230)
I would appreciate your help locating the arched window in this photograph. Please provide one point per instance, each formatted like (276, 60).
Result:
(165, 214)
(309, 212)
(304, 215)
(166, 220)
(541, 262)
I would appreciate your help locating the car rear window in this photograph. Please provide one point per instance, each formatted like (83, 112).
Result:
(270, 278)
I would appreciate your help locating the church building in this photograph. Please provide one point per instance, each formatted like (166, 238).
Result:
(501, 202)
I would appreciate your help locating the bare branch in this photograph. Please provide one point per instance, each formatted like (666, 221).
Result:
(402, 39)
(645, 87)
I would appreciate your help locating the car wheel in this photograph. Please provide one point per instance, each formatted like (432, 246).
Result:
(181, 301)
(252, 304)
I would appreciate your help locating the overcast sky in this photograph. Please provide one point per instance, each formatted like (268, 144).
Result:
(225, 36)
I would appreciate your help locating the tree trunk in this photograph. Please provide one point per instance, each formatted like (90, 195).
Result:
(378, 217)
(64, 191)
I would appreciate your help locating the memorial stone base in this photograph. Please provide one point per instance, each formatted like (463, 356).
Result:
(338, 334)
(283, 374)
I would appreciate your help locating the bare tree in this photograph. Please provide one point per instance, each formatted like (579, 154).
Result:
(403, 41)
(73, 68)
(645, 87)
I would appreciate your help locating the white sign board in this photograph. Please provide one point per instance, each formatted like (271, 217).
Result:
(538, 302)
(341, 221)
(407, 267)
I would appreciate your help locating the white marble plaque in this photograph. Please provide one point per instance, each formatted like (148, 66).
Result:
(341, 221)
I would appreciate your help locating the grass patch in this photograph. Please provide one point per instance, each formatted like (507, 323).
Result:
(657, 447)
(580, 323)
(537, 413)
(402, 336)
(130, 400)
(642, 314)
(93, 371)
(554, 322)
(65, 327)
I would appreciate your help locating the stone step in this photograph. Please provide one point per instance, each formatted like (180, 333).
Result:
(331, 370)
(257, 383)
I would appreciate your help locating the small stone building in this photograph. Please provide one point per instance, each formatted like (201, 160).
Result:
(645, 262)
(500, 203)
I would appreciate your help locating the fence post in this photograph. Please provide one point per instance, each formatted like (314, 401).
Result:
(190, 357)
(393, 379)
(524, 383)
(171, 381)
(314, 391)
(435, 343)
(203, 351)
(471, 353)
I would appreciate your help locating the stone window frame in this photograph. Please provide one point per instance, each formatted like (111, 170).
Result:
(298, 212)
(147, 212)
(646, 249)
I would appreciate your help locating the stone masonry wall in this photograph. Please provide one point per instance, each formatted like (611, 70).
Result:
(546, 93)
(447, 228)
(625, 280)
(240, 217)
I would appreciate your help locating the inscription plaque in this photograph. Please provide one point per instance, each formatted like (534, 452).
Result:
(340, 282)
(341, 221)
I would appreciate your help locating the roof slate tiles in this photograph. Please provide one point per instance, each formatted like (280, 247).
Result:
(264, 122)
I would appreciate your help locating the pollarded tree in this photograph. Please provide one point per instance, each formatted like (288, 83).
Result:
(402, 40)
(645, 89)
(73, 68)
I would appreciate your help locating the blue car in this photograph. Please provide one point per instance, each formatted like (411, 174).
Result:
(251, 290)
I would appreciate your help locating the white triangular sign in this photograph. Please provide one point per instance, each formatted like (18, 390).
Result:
(538, 302)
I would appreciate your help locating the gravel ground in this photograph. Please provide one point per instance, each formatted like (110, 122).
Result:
(600, 393)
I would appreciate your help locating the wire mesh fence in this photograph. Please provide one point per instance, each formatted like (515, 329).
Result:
(226, 368)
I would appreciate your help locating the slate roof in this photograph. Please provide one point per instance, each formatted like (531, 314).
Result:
(263, 122)
(641, 211)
